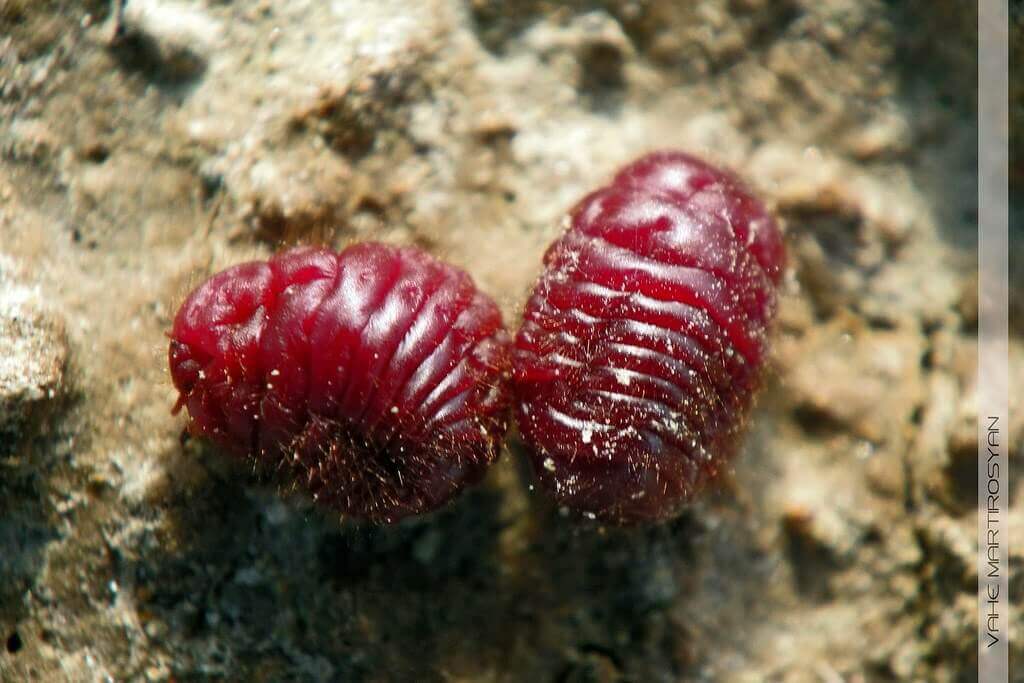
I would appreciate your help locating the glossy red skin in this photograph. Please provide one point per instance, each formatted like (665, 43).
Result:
(643, 341)
(375, 378)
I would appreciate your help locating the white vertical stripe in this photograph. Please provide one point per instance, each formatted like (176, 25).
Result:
(993, 361)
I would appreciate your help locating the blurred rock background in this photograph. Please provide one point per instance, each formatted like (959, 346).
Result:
(141, 152)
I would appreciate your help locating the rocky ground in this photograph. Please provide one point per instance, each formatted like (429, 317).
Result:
(140, 153)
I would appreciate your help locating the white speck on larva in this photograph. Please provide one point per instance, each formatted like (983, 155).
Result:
(549, 464)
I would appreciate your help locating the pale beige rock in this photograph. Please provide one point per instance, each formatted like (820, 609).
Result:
(33, 353)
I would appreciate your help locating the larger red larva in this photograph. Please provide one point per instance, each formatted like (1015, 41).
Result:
(644, 339)
(374, 378)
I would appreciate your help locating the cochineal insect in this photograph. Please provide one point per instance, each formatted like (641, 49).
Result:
(374, 378)
(643, 342)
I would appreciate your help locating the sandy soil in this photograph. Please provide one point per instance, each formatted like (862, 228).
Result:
(137, 158)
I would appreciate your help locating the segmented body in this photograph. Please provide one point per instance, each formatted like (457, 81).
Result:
(374, 378)
(644, 339)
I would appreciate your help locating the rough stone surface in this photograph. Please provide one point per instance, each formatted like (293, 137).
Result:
(32, 355)
(133, 164)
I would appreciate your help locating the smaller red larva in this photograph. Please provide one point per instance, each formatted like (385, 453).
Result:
(643, 341)
(374, 378)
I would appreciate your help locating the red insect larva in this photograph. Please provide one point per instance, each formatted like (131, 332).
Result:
(643, 341)
(374, 378)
